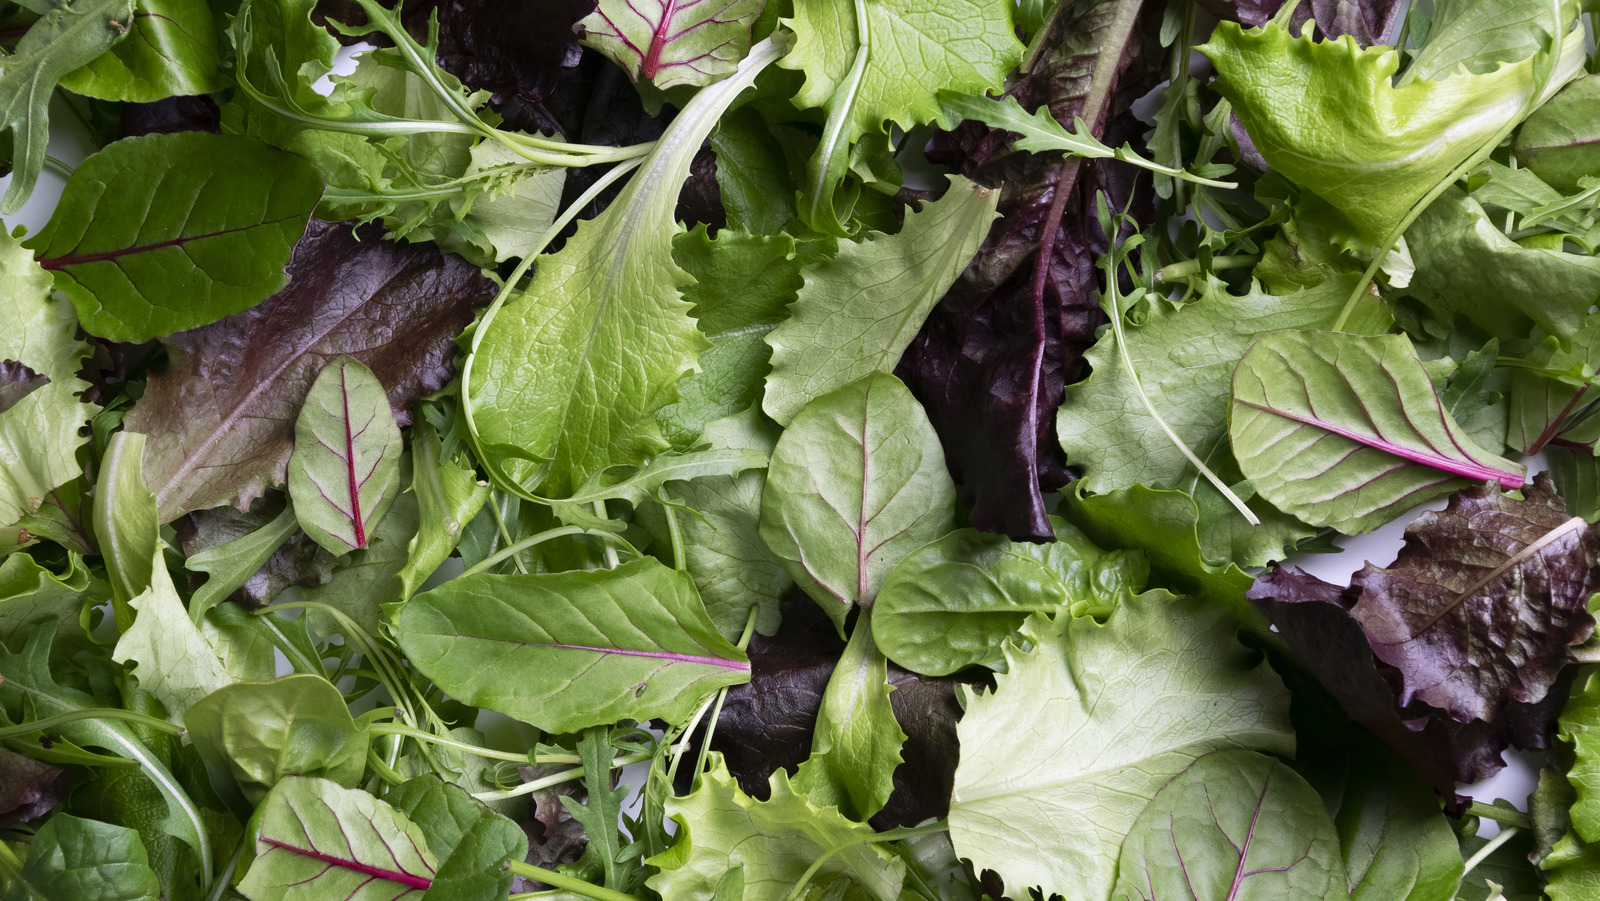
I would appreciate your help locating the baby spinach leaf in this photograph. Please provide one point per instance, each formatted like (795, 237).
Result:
(847, 323)
(1344, 430)
(953, 602)
(471, 842)
(773, 842)
(221, 417)
(151, 236)
(1394, 841)
(668, 43)
(71, 857)
(173, 47)
(315, 839)
(345, 469)
(65, 37)
(1560, 142)
(856, 746)
(1083, 730)
(448, 496)
(571, 649)
(253, 734)
(856, 482)
(1234, 825)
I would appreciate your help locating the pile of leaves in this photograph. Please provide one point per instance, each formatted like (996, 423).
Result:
(762, 450)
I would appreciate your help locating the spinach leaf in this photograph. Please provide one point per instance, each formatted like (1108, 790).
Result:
(173, 47)
(71, 857)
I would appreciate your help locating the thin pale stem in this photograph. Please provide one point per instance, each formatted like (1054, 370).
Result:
(568, 883)
(1506, 835)
(95, 713)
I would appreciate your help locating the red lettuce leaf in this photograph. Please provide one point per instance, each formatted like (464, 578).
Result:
(298, 563)
(992, 362)
(17, 381)
(29, 788)
(221, 417)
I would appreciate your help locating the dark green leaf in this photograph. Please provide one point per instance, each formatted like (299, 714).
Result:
(1560, 142)
(471, 841)
(73, 859)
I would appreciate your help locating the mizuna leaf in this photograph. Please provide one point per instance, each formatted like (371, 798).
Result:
(1483, 602)
(221, 418)
(345, 470)
(856, 482)
(173, 48)
(152, 235)
(1346, 431)
(672, 42)
(64, 38)
(568, 650)
(1234, 825)
(317, 840)
(71, 857)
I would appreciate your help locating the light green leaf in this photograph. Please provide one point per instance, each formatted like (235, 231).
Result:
(668, 43)
(856, 746)
(39, 436)
(151, 238)
(860, 309)
(173, 47)
(856, 483)
(317, 840)
(1479, 35)
(1346, 430)
(448, 496)
(370, 577)
(509, 203)
(252, 734)
(66, 36)
(1374, 148)
(772, 842)
(1560, 142)
(1081, 732)
(601, 810)
(1234, 825)
(345, 470)
(31, 595)
(471, 841)
(231, 564)
(953, 602)
(575, 367)
(1580, 728)
(567, 650)
(73, 858)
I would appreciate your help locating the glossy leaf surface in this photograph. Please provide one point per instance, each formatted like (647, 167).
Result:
(71, 857)
(173, 47)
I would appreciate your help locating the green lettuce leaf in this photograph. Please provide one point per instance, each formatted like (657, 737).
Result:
(668, 43)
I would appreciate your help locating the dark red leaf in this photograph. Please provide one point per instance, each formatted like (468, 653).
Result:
(28, 788)
(1368, 21)
(16, 382)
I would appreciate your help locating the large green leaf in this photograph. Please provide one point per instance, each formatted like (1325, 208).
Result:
(153, 234)
(856, 482)
(1234, 826)
(316, 840)
(72, 858)
(1082, 731)
(1395, 842)
(66, 36)
(856, 746)
(1346, 431)
(574, 368)
(567, 650)
(1560, 142)
(772, 843)
(953, 602)
(471, 841)
(669, 43)
(860, 308)
(448, 496)
(39, 436)
(345, 470)
(173, 47)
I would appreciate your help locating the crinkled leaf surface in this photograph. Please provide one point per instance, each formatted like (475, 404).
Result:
(221, 418)
(856, 482)
(1560, 142)
(673, 42)
(173, 47)
(574, 368)
(574, 649)
(1082, 731)
(1580, 728)
(773, 842)
(860, 309)
(71, 857)
(1484, 600)
(1346, 430)
(345, 469)
(1234, 825)
(953, 602)
(317, 840)
(154, 234)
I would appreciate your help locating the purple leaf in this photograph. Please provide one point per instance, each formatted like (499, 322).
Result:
(29, 788)
(1368, 21)
(16, 382)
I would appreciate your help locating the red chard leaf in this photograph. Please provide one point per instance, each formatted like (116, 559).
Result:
(673, 42)
(221, 418)
(345, 470)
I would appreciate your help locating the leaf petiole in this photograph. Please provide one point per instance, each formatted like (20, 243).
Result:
(563, 881)
(89, 713)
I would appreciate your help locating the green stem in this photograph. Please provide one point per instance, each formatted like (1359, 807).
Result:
(419, 735)
(611, 552)
(568, 883)
(92, 713)
(1191, 268)
(1513, 818)
(1494, 844)
(889, 836)
(384, 771)
(541, 538)
(528, 788)
(500, 527)
(11, 869)
(680, 560)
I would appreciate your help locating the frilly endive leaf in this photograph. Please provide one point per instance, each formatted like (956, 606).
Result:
(672, 42)
(1346, 431)
(345, 470)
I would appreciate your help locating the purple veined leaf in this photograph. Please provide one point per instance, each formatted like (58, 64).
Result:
(318, 840)
(345, 470)
(1347, 431)
(18, 381)
(673, 42)
(1234, 826)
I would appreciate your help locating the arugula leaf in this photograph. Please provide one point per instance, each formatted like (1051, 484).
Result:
(575, 649)
(669, 44)
(844, 325)
(599, 812)
(173, 47)
(856, 483)
(1558, 141)
(345, 469)
(1082, 731)
(71, 857)
(1345, 431)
